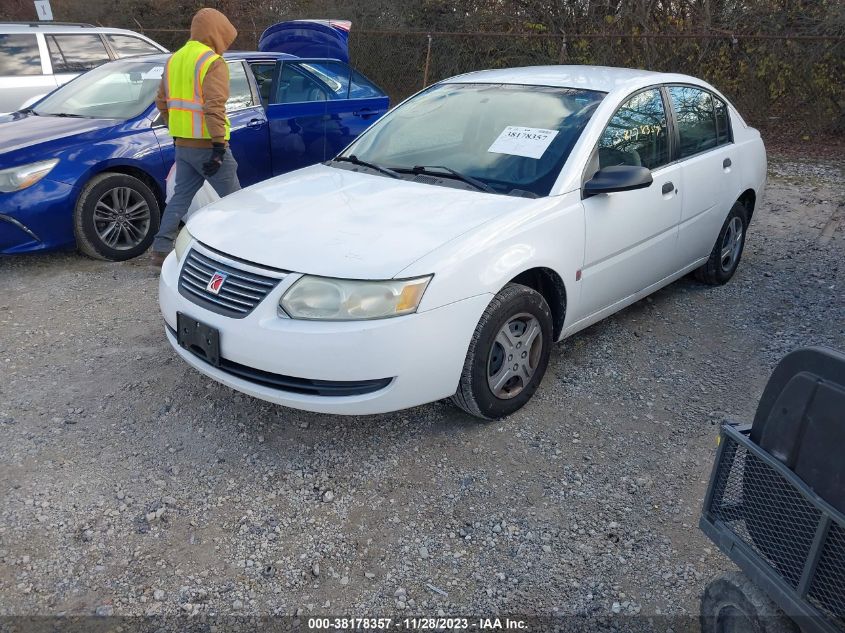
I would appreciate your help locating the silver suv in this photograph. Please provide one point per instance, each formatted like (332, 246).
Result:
(36, 57)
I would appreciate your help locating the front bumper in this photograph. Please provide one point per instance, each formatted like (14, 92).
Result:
(37, 218)
(418, 357)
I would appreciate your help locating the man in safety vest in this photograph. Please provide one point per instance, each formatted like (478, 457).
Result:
(192, 100)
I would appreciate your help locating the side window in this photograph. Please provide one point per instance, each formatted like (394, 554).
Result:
(19, 55)
(723, 122)
(240, 92)
(128, 46)
(295, 86)
(362, 88)
(76, 53)
(333, 76)
(264, 72)
(696, 119)
(637, 133)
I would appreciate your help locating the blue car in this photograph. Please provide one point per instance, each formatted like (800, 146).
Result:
(86, 165)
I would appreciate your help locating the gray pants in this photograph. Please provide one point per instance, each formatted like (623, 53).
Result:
(189, 179)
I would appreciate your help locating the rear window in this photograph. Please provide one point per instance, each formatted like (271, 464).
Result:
(362, 88)
(129, 46)
(696, 119)
(76, 53)
(19, 55)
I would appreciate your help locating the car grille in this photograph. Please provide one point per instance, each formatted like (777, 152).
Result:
(240, 292)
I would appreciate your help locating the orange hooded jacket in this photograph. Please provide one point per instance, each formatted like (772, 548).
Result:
(213, 29)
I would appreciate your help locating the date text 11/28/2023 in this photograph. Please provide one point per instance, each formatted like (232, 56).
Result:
(416, 624)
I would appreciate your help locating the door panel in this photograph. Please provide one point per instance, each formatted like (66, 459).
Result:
(250, 134)
(249, 140)
(297, 133)
(311, 115)
(16, 92)
(631, 236)
(708, 196)
(250, 145)
(297, 114)
(348, 118)
(707, 155)
(631, 241)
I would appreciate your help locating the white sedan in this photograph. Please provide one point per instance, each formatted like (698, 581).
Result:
(444, 252)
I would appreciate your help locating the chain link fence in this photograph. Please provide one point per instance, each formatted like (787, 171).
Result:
(785, 85)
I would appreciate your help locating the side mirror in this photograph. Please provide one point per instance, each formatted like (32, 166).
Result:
(618, 178)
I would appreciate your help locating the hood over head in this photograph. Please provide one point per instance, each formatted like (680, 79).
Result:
(213, 29)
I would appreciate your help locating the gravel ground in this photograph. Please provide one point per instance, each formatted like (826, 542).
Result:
(133, 485)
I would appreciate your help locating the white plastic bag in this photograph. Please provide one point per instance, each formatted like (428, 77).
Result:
(206, 194)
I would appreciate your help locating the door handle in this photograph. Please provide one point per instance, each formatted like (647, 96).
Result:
(726, 163)
(668, 187)
(364, 113)
(255, 123)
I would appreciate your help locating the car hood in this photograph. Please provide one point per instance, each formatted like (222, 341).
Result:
(19, 131)
(338, 223)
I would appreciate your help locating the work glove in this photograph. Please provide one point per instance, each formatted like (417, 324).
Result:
(213, 165)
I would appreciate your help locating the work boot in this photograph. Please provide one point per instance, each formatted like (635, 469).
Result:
(157, 259)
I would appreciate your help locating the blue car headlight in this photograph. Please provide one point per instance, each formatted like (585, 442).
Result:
(23, 176)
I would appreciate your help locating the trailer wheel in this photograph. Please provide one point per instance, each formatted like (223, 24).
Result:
(732, 603)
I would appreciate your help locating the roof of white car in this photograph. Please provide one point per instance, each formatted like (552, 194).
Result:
(52, 27)
(602, 78)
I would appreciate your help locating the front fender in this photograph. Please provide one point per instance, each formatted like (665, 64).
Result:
(547, 234)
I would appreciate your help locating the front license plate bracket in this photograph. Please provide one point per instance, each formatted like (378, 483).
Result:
(198, 338)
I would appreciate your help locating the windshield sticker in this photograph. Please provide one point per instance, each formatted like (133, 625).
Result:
(154, 73)
(530, 142)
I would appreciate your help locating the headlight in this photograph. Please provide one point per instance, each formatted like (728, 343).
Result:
(17, 178)
(181, 244)
(348, 300)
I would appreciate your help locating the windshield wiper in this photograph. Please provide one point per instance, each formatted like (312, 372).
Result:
(357, 161)
(428, 170)
(68, 114)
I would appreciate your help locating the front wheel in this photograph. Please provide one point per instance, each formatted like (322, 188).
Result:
(116, 217)
(508, 354)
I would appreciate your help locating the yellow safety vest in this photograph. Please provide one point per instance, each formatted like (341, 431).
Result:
(183, 77)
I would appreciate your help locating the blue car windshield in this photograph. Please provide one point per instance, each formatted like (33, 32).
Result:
(512, 139)
(118, 90)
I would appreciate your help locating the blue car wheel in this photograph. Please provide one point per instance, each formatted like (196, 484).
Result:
(116, 217)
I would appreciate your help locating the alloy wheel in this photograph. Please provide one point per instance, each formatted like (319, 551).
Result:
(122, 218)
(731, 244)
(514, 356)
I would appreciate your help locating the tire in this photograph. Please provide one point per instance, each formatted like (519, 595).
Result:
(714, 271)
(488, 364)
(733, 604)
(116, 217)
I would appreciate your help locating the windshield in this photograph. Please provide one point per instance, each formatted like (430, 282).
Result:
(119, 90)
(512, 138)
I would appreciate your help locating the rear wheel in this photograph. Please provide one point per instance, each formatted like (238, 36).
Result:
(727, 251)
(733, 604)
(508, 354)
(116, 217)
